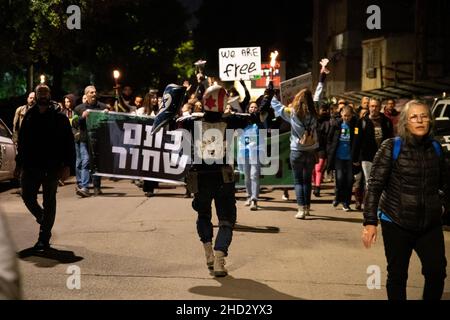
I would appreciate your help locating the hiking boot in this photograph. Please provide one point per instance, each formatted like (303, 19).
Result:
(301, 213)
(209, 254)
(219, 264)
(254, 205)
(83, 192)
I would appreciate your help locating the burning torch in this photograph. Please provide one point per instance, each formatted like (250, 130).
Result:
(116, 76)
(42, 77)
(273, 63)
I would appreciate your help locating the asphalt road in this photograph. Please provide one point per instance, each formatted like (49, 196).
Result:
(127, 246)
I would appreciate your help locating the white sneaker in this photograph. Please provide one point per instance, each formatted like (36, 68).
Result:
(301, 213)
(284, 198)
(253, 205)
(248, 202)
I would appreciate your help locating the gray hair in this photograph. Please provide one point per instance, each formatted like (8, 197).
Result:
(86, 90)
(402, 126)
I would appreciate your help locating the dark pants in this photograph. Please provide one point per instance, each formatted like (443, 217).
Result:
(30, 183)
(302, 163)
(429, 246)
(344, 181)
(149, 186)
(211, 187)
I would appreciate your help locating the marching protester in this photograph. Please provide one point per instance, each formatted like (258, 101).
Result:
(302, 116)
(20, 113)
(210, 177)
(339, 152)
(370, 132)
(150, 109)
(45, 154)
(408, 193)
(239, 106)
(323, 128)
(81, 145)
(250, 149)
(392, 113)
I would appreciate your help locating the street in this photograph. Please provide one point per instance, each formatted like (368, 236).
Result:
(128, 246)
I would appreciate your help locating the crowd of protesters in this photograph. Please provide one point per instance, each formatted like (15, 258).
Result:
(341, 140)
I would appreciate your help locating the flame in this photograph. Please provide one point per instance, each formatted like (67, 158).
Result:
(116, 74)
(42, 78)
(273, 58)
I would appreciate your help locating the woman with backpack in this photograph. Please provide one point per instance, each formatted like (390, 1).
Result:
(408, 193)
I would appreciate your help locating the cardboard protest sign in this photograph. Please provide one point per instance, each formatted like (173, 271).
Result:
(239, 63)
(289, 88)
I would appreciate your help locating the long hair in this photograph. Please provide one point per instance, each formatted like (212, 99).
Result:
(402, 126)
(303, 104)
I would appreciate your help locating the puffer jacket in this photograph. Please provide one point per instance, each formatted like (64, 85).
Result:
(408, 189)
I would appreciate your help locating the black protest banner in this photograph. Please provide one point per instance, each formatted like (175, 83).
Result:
(121, 146)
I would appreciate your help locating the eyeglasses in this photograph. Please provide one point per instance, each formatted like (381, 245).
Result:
(415, 118)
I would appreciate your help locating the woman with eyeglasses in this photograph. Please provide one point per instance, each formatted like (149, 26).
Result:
(408, 194)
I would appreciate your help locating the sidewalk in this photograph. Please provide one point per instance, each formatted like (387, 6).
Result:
(128, 246)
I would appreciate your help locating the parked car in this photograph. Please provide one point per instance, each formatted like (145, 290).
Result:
(7, 153)
(441, 114)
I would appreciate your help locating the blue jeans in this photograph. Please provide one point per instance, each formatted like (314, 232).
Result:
(31, 181)
(302, 163)
(211, 187)
(252, 173)
(82, 167)
(344, 181)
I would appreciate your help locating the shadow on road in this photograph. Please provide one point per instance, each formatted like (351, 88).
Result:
(267, 208)
(241, 289)
(266, 229)
(48, 258)
(326, 218)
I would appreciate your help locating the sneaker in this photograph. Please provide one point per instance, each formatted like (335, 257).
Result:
(346, 208)
(41, 246)
(307, 210)
(149, 194)
(209, 254)
(248, 202)
(83, 192)
(285, 196)
(254, 205)
(97, 191)
(219, 264)
(335, 203)
(301, 213)
(358, 207)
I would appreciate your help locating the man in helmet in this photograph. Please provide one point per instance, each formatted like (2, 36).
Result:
(210, 177)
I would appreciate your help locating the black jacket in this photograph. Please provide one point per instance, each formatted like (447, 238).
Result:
(323, 129)
(81, 121)
(407, 189)
(333, 140)
(45, 140)
(365, 145)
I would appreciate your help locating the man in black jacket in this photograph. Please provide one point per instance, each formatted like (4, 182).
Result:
(370, 132)
(82, 149)
(45, 154)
